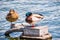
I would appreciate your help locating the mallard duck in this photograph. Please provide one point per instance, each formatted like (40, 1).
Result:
(31, 18)
(12, 16)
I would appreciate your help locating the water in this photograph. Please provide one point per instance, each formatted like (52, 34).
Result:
(49, 8)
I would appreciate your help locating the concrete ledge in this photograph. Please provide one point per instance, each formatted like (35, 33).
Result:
(35, 31)
(41, 37)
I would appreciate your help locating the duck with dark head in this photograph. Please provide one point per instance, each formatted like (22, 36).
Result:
(31, 18)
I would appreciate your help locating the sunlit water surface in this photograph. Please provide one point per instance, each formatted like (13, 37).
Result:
(49, 8)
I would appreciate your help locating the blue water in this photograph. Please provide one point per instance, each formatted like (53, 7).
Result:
(49, 8)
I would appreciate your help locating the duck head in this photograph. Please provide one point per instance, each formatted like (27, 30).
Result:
(11, 11)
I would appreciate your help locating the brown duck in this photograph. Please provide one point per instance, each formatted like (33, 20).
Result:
(12, 16)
